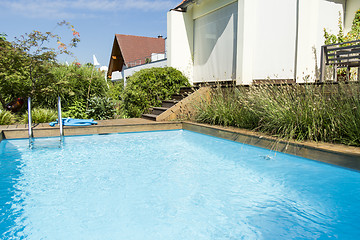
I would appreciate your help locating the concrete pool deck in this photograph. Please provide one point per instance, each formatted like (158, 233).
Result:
(337, 154)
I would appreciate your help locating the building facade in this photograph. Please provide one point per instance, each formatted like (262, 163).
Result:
(253, 40)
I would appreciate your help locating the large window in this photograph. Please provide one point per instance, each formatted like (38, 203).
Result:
(215, 45)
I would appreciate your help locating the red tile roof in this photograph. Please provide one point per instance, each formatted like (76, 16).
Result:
(133, 50)
(135, 47)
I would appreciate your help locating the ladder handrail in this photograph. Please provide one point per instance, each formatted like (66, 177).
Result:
(60, 119)
(29, 119)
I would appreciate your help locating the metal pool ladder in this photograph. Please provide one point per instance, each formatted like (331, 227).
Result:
(30, 122)
(60, 120)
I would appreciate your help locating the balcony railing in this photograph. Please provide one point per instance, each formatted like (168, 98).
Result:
(148, 59)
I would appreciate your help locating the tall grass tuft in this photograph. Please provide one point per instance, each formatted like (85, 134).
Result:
(6, 118)
(41, 115)
(228, 107)
(329, 113)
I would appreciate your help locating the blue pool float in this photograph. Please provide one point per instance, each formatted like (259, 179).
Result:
(74, 122)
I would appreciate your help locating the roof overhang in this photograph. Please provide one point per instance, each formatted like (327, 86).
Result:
(183, 6)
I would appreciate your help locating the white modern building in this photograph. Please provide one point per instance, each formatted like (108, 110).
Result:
(249, 40)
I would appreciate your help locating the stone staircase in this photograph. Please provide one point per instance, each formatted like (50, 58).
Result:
(175, 98)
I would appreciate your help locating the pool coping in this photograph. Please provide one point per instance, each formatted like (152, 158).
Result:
(336, 154)
(103, 127)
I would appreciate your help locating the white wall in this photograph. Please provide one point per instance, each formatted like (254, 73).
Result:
(266, 36)
(245, 41)
(314, 16)
(180, 30)
(274, 41)
(115, 76)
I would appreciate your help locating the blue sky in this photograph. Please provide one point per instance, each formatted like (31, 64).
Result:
(97, 21)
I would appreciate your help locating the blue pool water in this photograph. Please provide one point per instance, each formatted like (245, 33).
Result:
(170, 185)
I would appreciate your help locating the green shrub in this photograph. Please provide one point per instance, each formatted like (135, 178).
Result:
(101, 108)
(41, 115)
(6, 117)
(72, 83)
(116, 90)
(149, 87)
(77, 110)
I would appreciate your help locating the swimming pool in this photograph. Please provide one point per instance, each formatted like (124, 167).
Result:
(170, 185)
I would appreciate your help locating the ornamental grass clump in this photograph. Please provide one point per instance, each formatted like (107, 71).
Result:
(329, 113)
(6, 117)
(293, 112)
(41, 115)
(227, 107)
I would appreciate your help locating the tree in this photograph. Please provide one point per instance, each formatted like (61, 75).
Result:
(25, 64)
(12, 72)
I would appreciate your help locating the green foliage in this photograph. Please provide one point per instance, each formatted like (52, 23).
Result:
(353, 35)
(41, 115)
(3, 36)
(149, 87)
(26, 65)
(101, 108)
(116, 90)
(228, 107)
(13, 72)
(72, 83)
(329, 113)
(77, 110)
(6, 117)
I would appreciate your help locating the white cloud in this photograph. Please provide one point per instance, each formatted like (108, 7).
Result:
(80, 8)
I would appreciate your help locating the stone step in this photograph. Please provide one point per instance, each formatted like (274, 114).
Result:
(158, 110)
(178, 97)
(149, 116)
(169, 103)
(187, 90)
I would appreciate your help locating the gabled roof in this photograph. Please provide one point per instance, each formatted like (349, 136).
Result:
(132, 50)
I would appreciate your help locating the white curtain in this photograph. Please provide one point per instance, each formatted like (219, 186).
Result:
(215, 45)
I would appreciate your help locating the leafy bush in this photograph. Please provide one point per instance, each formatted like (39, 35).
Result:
(72, 83)
(149, 87)
(41, 115)
(101, 108)
(6, 117)
(116, 90)
(77, 110)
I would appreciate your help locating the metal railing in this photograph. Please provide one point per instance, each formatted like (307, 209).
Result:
(30, 130)
(60, 120)
(30, 121)
(340, 55)
(144, 60)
